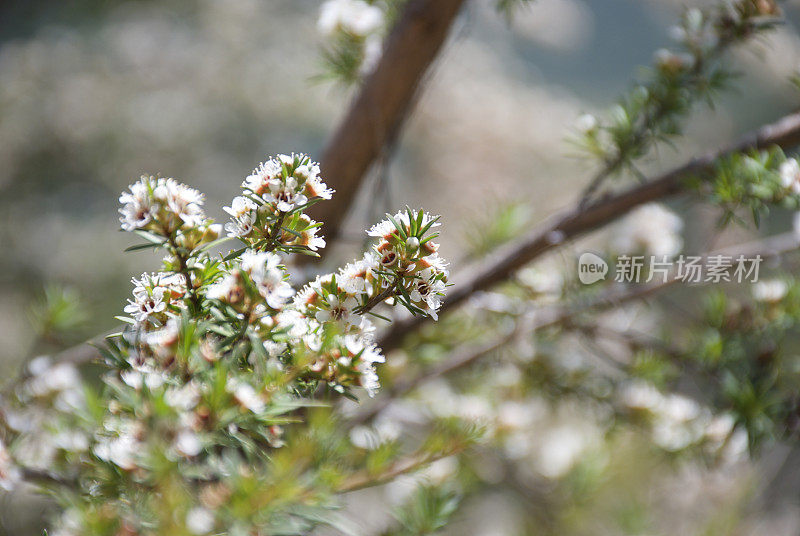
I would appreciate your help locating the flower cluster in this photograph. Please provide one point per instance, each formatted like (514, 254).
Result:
(270, 211)
(160, 205)
(219, 351)
(678, 422)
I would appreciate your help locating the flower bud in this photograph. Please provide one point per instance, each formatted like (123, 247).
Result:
(412, 243)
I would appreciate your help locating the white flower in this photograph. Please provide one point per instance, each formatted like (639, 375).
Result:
(586, 123)
(339, 310)
(651, 228)
(385, 228)
(369, 378)
(184, 202)
(71, 440)
(165, 337)
(428, 291)
(790, 175)
(284, 194)
(275, 349)
(294, 321)
(52, 379)
(120, 451)
(309, 239)
(145, 198)
(187, 443)
(268, 277)
(243, 214)
(641, 396)
(720, 428)
(770, 291)
(258, 182)
(373, 49)
(560, 450)
(138, 207)
(382, 229)
(200, 520)
(353, 16)
(363, 349)
(246, 396)
(183, 398)
(146, 304)
(10, 474)
(677, 424)
(143, 375)
(353, 277)
(227, 289)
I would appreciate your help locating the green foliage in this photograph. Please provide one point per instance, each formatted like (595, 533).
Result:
(750, 183)
(653, 111)
(499, 226)
(509, 8)
(428, 510)
(59, 313)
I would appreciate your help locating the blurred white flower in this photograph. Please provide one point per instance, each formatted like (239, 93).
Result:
(187, 443)
(352, 16)
(560, 449)
(200, 520)
(790, 175)
(770, 290)
(652, 229)
(246, 395)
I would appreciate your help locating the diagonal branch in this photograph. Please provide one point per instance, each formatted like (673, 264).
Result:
(549, 316)
(578, 221)
(383, 103)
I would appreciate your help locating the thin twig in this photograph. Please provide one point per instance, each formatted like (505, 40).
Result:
(401, 467)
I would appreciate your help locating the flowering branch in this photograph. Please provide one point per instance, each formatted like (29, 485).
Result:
(783, 133)
(218, 356)
(652, 112)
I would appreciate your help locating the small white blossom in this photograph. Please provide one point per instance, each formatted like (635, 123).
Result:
(268, 277)
(790, 175)
(120, 451)
(246, 395)
(651, 228)
(352, 16)
(352, 278)
(151, 198)
(10, 474)
(227, 289)
(339, 310)
(187, 443)
(770, 290)
(585, 123)
(200, 520)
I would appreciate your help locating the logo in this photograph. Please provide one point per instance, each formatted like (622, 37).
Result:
(591, 268)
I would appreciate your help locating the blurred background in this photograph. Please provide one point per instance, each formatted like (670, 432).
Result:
(94, 93)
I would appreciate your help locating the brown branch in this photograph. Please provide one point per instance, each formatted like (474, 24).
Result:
(578, 221)
(559, 314)
(384, 101)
